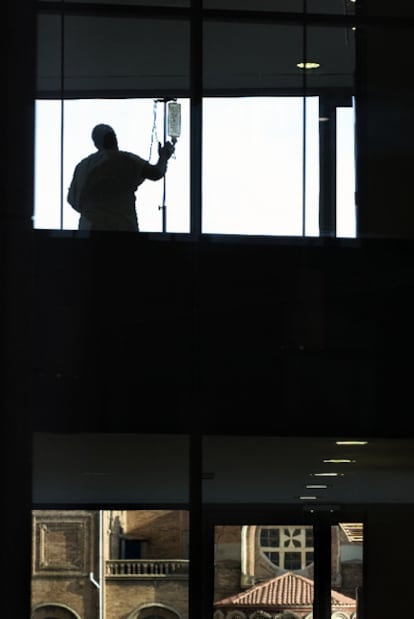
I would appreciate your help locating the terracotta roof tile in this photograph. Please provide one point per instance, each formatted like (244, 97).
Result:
(289, 589)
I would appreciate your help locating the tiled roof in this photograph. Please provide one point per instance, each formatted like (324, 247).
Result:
(286, 590)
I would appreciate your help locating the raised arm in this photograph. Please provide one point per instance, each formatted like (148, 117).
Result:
(156, 171)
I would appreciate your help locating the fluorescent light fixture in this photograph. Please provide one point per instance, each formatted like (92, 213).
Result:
(330, 474)
(308, 65)
(316, 486)
(351, 442)
(338, 460)
(307, 498)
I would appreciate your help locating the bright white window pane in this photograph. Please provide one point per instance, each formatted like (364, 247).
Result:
(253, 166)
(47, 165)
(345, 173)
(138, 124)
(312, 167)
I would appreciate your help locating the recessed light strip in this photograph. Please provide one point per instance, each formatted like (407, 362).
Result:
(330, 474)
(316, 486)
(308, 66)
(351, 442)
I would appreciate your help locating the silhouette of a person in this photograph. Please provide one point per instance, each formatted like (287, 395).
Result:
(103, 186)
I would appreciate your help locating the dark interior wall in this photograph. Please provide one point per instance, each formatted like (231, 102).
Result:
(16, 237)
(385, 99)
(213, 331)
(388, 560)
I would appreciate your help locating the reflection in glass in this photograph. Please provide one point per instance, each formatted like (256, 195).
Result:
(111, 563)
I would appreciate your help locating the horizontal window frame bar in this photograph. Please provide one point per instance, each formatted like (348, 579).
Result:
(244, 15)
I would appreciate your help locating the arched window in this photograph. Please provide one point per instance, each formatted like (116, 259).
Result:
(287, 547)
(236, 614)
(54, 611)
(155, 611)
(260, 614)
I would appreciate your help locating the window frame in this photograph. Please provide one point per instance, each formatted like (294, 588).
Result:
(197, 17)
(284, 549)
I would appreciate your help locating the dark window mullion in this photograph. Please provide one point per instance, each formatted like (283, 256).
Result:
(322, 570)
(196, 115)
(327, 167)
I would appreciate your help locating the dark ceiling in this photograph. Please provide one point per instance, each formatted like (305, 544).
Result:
(132, 468)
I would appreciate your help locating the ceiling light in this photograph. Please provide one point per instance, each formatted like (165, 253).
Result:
(308, 65)
(338, 460)
(307, 498)
(316, 486)
(326, 474)
(351, 442)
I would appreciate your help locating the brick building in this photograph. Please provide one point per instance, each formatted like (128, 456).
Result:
(112, 564)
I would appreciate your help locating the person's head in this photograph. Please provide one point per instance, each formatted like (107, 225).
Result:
(104, 136)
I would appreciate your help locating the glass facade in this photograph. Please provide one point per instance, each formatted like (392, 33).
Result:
(264, 104)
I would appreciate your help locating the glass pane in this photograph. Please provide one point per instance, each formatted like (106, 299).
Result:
(106, 468)
(333, 48)
(249, 581)
(82, 566)
(139, 126)
(253, 165)
(81, 56)
(333, 7)
(347, 569)
(250, 58)
(49, 55)
(169, 3)
(345, 172)
(48, 158)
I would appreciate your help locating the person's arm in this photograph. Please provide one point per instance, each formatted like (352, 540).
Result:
(156, 171)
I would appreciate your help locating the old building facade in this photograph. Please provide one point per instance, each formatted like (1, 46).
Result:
(110, 564)
(134, 564)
